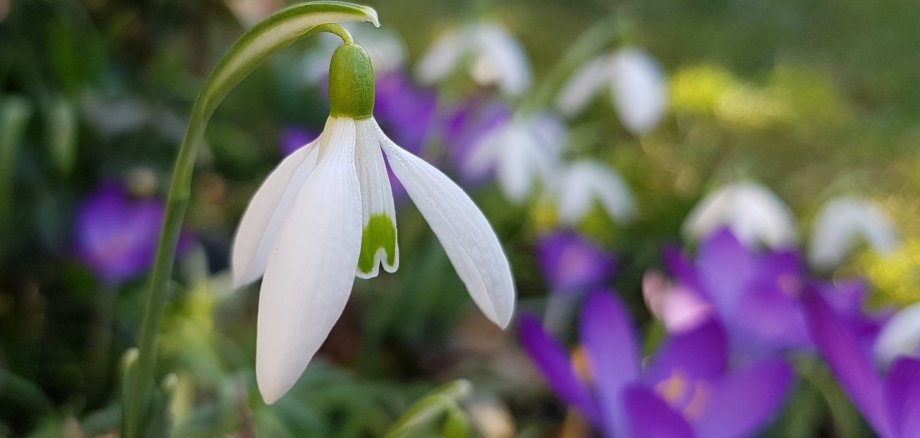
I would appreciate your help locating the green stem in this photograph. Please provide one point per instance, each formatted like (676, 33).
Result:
(254, 47)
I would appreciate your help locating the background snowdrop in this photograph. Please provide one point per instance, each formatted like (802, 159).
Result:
(754, 213)
(485, 50)
(638, 88)
(582, 183)
(844, 222)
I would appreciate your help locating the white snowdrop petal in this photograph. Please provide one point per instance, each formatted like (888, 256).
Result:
(639, 90)
(517, 158)
(754, 214)
(442, 57)
(378, 245)
(586, 181)
(467, 238)
(501, 59)
(899, 337)
(262, 218)
(841, 223)
(311, 267)
(584, 85)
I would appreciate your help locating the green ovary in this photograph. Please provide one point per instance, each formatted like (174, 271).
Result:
(378, 233)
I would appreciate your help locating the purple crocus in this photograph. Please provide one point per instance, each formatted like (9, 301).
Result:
(891, 404)
(472, 122)
(571, 264)
(406, 111)
(293, 138)
(116, 236)
(686, 389)
(755, 294)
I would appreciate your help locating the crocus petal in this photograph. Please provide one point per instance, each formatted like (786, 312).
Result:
(554, 365)
(584, 84)
(902, 391)
(839, 225)
(311, 268)
(741, 402)
(899, 337)
(378, 241)
(501, 60)
(442, 57)
(467, 238)
(649, 415)
(725, 266)
(849, 362)
(267, 208)
(639, 90)
(607, 334)
(700, 353)
(586, 181)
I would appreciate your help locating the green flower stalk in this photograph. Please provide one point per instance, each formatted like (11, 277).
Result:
(254, 47)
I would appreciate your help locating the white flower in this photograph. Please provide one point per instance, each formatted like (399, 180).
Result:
(583, 182)
(841, 223)
(635, 80)
(326, 215)
(899, 337)
(524, 151)
(754, 214)
(491, 54)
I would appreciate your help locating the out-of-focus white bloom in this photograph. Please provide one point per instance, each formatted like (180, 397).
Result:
(899, 337)
(385, 47)
(523, 151)
(491, 55)
(754, 214)
(635, 80)
(839, 226)
(582, 182)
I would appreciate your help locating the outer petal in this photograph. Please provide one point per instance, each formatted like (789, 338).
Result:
(466, 235)
(268, 207)
(902, 392)
(639, 90)
(744, 400)
(584, 84)
(608, 336)
(845, 357)
(311, 267)
(378, 241)
(649, 416)
(556, 368)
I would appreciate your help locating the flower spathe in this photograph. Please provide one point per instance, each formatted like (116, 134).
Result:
(326, 215)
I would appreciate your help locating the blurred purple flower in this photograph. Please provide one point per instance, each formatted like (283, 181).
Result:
(890, 404)
(405, 111)
(571, 264)
(754, 294)
(293, 138)
(685, 390)
(116, 236)
(465, 128)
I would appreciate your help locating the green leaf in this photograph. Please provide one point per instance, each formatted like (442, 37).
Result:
(14, 117)
(443, 399)
(61, 135)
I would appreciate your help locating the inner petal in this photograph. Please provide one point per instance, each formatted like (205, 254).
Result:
(378, 240)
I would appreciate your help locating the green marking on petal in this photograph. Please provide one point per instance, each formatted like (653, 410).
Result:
(380, 232)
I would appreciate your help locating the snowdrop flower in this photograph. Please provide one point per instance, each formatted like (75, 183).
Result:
(493, 57)
(841, 222)
(635, 79)
(899, 337)
(585, 181)
(523, 151)
(754, 214)
(326, 215)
